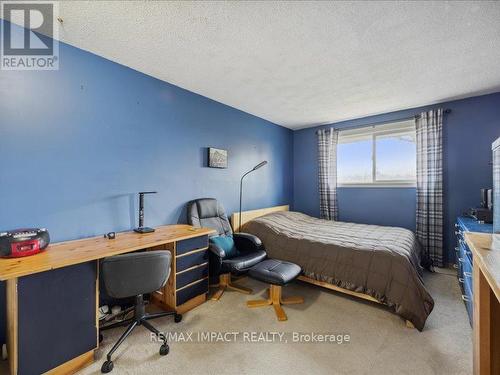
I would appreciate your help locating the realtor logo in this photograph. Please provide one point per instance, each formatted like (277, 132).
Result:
(29, 35)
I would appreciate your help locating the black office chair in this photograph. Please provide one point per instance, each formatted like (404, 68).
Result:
(207, 212)
(133, 275)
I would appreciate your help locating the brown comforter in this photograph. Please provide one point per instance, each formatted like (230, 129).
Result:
(383, 262)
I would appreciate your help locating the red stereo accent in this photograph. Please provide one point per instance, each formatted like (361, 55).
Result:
(25, 248)
(23, 242)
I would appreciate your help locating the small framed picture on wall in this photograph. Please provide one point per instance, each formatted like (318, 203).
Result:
(217, 158)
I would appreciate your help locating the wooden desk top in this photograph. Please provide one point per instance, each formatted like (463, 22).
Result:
(486, 252)
(68, 253)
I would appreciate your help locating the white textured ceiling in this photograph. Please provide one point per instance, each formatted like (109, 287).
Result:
(300, 64)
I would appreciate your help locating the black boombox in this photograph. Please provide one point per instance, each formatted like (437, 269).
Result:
(23, 242)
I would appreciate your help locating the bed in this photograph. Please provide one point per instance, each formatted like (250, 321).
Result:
(376, 263)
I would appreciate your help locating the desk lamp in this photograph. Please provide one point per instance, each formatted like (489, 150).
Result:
(142, 228)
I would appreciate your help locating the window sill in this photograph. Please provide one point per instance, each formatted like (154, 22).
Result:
(379, 185)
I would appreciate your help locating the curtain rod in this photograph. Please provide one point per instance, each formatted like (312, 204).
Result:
(445, 111)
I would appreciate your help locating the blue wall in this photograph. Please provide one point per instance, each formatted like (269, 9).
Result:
(78, 143)
(469, 130)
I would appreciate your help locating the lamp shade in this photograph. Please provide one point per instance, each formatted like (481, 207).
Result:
(261, 164)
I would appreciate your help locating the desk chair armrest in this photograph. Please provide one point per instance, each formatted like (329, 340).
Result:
(247, 242)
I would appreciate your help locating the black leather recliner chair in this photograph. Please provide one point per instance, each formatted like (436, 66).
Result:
(207, 212)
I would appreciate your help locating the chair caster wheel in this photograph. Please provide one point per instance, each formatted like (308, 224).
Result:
(101, 337)
(164, 349)
(107, 367)
(177, 318)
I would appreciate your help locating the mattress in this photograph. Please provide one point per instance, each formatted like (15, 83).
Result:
(380, 261)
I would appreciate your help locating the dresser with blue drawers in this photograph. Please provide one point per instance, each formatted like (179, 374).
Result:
(464, 259)
(187, 285)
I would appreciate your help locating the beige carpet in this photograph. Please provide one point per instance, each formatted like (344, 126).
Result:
(379, 341)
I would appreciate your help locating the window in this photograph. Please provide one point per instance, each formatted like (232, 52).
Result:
(383, 155)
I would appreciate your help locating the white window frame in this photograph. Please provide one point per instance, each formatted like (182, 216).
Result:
(374, 131)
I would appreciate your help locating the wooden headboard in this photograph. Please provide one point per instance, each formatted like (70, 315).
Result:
(246, 216)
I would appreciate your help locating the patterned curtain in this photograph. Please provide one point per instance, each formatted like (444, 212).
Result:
(327, 158)
(429, 126)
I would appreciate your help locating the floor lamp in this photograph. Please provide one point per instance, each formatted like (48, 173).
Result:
(261, 164)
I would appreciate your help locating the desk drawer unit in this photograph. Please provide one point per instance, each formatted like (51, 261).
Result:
(193, 290)
(187, 285)
(464, 261)
(186, 277)
(191, 244)
(191, 260)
